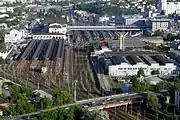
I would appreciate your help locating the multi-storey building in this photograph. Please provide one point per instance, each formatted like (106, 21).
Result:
(169, 6)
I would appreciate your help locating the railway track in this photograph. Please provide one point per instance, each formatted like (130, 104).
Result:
(118, 114)
(84, 86)
(31, 83)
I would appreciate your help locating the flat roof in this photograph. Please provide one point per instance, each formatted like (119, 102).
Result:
(40, 33)
(161, 20)
(153, 79)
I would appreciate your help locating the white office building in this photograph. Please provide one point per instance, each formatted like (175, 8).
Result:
(6, 9)
(162, 24)
(129, 65)
(169, 6)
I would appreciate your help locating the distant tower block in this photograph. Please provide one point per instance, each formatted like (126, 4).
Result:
(163, 6)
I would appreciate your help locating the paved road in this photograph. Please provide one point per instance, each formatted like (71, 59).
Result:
(96, 101)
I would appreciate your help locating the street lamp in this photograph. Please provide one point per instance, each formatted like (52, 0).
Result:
(75, 81)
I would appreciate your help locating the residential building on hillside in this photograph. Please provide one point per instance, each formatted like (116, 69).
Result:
(3, 26)
(6, 9)
(169, 6)
(14, 36)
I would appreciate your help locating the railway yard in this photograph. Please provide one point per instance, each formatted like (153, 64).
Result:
(112, 37)
(63, 64)
(56, 65)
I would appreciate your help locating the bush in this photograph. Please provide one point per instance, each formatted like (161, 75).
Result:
(155, 72)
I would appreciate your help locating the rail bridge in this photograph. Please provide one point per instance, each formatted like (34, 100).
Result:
(117, 28)
(113, 104)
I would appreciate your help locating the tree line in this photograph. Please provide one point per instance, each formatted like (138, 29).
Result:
(23, 101)
(104, 9)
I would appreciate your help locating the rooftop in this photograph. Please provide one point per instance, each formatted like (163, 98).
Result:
(160, 59)
(148, 60)
(42, 94)
(153, 79)
(118, 59)
(133, 59)
(161, 20)
(173, 0)
(40, 33)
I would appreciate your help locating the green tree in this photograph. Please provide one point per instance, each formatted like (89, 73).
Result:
(95, 115)
(139, 86)
(78, 112)
(144, 87)
(51, 115)
(21, 105)
(62, 97)
(178, 36)
(170, 37)
(140, 72)
(1, 35)
(159, 32)
(2, 61)
(96, 45)
(177, 84)
(135, 83)
(46, 102)
(152, 101)
(161, 86)
(155, 72)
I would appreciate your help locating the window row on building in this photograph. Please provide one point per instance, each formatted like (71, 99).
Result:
(126, 70)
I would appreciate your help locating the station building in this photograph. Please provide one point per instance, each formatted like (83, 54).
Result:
(129, 65)
(48, 36)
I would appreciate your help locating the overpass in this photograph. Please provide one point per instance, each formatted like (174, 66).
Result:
(124, 97)
(112, 105)
(114, 102)
(118, 28)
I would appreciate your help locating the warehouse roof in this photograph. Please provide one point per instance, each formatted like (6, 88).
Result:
(118, 59)
(108, 62)
(148, 60)
(160, 59)
(133, 59)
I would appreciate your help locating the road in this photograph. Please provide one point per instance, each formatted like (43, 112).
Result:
(96, 102)
(93, 102)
